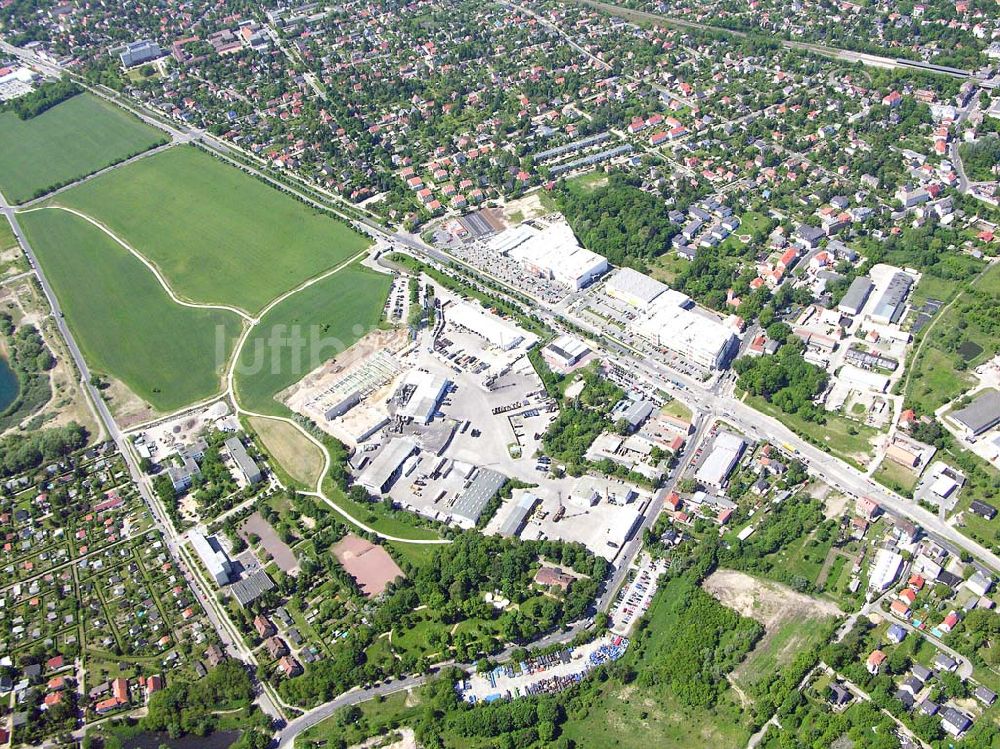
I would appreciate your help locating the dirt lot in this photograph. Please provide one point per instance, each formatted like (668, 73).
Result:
(790, 621)
(370, 565)
(768, 602)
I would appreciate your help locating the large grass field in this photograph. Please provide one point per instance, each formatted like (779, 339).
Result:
(69, 141)
(325, 318)
(123, 320)
(219, 235)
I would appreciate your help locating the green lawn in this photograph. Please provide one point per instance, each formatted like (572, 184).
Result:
(402, 524)
(219, 235)
(305, 330)
(69, 141)
(7, 238)
(377, 715)
(122, 318)
(940, 372)
(842, 436)
(896, 477)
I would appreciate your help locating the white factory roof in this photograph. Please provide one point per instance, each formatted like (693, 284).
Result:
(864, 378)
(508, 239)
(684, 331)
(553, 249)
(385, 463)
(944, 485)
(634, 287)
(428, 390)
(884, 570)
(500, 333)
(571, 346)
(609, 534)
(726, 450)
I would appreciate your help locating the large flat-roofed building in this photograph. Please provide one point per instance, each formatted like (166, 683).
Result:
(705, 341)
(566, 350)
(419, 395)
(246, 465)
(889, 307)
(857, 294)
(500, 333)
(469, 505)
(519, 514)
(608, 538)
(215, 560)
(633, 287)
(252, 587)
(138, 53)
(979, 416)
(726, 451)
(552, 252)
(387, 466)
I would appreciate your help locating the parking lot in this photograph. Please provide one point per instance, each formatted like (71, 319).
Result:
(510, 272)
(548, 673)
(634, 598)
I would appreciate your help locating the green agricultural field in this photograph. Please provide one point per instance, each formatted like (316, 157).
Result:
(125, 323)
(324, 318)
(69, 141)
(219, 235)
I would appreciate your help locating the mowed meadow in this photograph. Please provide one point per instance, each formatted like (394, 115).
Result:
(78, 137)
(334, 312)
(218, 235)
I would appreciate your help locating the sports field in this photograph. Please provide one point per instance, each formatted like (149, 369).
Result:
(305, 330)
(69, 141)
(219, 235)
(125, 323)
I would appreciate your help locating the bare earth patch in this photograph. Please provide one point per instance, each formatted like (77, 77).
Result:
(789, 618)
(370, 565)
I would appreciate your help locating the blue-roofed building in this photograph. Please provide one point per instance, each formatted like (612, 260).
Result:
(896, 633)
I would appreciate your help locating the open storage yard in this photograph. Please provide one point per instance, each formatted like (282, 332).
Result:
(217, 234)
(123, 319)
(69, 141)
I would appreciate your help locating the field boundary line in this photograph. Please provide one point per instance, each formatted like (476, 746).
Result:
(148, 263)
(327, 460)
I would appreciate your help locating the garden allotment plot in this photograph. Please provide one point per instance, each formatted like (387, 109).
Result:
(218, 235)
(73, 139)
